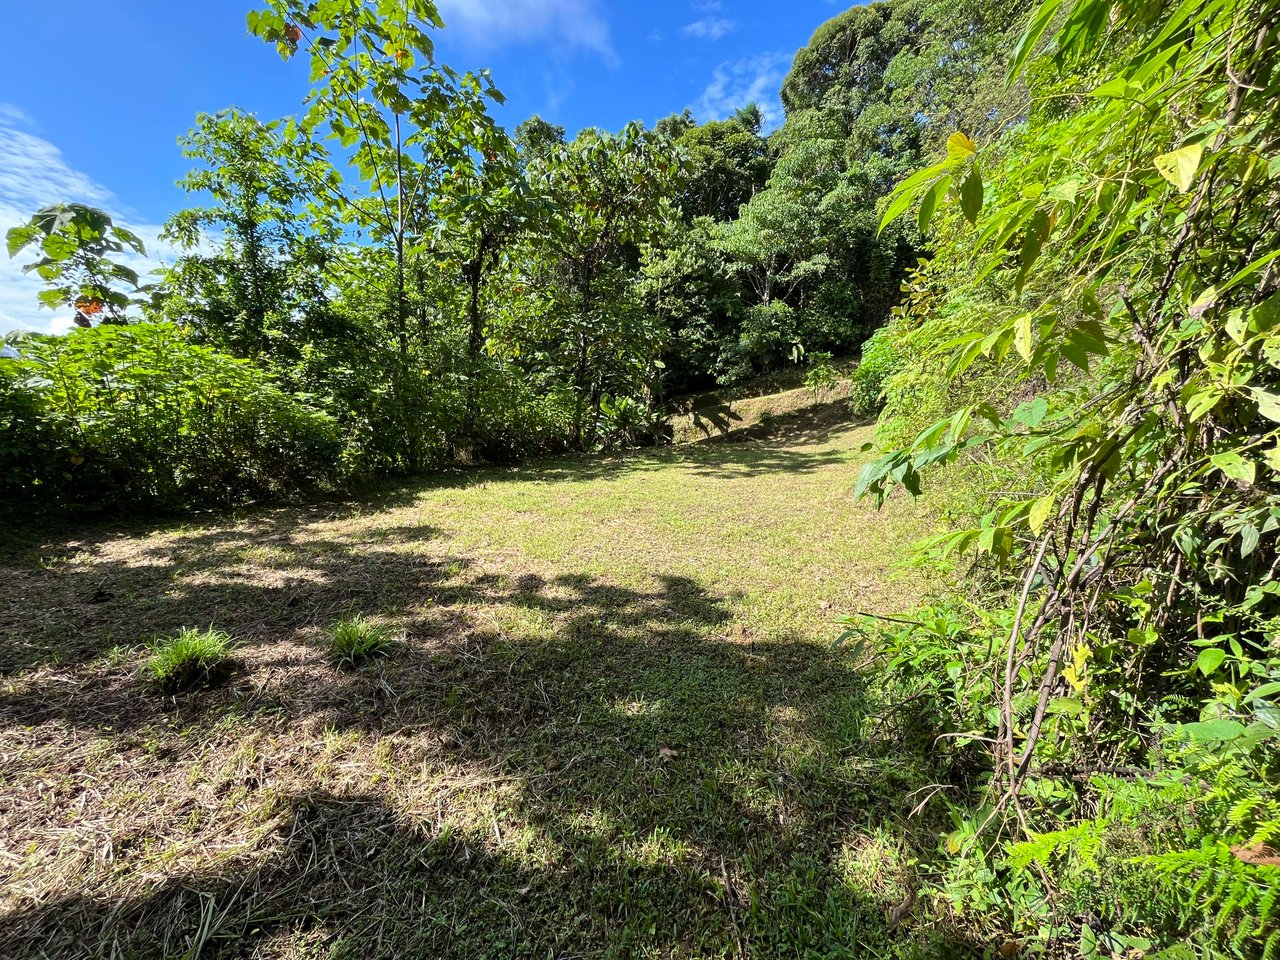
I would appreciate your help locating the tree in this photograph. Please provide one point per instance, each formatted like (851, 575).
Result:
(75, 244)
(260, 289)
(483, 206)
(726, 164)
(691, 287)
(750, 118)
(379, 95)
(608, 195)
(537, 139)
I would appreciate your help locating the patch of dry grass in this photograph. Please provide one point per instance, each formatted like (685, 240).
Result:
(755, 416)
(615, 725)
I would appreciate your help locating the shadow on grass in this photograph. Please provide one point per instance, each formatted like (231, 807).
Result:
(627, 785)
(273, 574)
(349, 876)
(565, 766)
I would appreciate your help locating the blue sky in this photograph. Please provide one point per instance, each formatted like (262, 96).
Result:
(94, 94)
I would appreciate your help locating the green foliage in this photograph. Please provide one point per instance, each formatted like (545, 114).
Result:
(1103, 335)
(608, 196)
(139, 414)
(879, 359)
(688, 284)
(354, 640)
(75, 244)
(821, 376)
(259, 290)
(727, 163)
(191, 660)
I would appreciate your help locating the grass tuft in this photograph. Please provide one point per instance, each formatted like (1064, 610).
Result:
(354, 640)
(189, 661)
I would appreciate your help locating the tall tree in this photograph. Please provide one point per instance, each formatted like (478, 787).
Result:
(609, 195)
(254, 267)
(378, 93)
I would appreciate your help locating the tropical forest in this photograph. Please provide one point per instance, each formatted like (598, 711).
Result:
(844, 526)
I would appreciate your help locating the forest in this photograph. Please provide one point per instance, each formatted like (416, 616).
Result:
(367, 596)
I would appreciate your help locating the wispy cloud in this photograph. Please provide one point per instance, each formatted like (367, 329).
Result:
(709, 28)
(486, 23)
(34, 174)
(736, 83)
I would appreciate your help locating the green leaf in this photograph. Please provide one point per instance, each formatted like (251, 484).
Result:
(1268, 403)
(971, 195)
(1179, 166)
(1040, 511)
(19, 237)
(1249, 538)
(1202, 402)
(1022, 336)
(1263, 692)
(959, 146)
(1040, 21)
(1066, 706)
(1032, 243)
(1234, 466)
(1210, 659)
(930, 202)
(1212, 731)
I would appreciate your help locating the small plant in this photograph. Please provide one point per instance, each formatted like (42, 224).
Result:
(355, 639)
(822, 376)
(191, 660)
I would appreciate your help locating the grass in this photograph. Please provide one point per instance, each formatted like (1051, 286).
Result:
(616, 724)
(715, 416)
(189, 661)
(353, 640)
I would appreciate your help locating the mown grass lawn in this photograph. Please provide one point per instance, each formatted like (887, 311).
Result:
(615, 723)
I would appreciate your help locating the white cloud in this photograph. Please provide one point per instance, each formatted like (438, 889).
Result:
(710, 28)
(34, 174)
(707, 6)
(577, 23)
(12, 115)
(737, 83)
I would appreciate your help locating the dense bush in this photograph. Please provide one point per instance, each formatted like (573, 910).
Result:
(1092, 356)
(139, 414)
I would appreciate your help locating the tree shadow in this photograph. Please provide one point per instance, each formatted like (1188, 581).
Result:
(348, 875)
(812, 425)
(714, 420)
(551, 764)
(625, 785)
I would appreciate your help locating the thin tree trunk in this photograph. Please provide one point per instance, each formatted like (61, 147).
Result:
(402, 335)
(475, 342)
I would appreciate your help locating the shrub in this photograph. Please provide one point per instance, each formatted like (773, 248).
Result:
(191, 660)
(822, 376)
(139, 414)
(880, 358)
(354, 640)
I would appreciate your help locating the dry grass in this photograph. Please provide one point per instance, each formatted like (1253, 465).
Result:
(616, 725)
(754, 416)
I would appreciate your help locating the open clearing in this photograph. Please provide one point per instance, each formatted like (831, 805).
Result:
(616, 724)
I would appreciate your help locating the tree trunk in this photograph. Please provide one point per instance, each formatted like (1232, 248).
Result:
(475, 343)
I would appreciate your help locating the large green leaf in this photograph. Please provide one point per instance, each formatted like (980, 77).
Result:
(971, 195)
(1179, 166)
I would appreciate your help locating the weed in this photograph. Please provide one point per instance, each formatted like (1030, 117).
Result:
(354, 640)
(189, 661)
